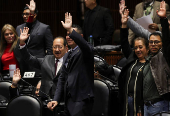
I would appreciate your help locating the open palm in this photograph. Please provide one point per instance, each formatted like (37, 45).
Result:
(122, 7)
(31, 6)
(68, 21)
(124, 18)
(16, 76)
(162, 10)
(24, 34)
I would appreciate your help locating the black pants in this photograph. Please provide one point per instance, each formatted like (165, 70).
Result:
(80, 108)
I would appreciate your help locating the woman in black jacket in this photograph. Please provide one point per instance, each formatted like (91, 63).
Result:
(131, 76)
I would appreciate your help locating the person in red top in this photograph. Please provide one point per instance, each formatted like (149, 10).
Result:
(8, 51)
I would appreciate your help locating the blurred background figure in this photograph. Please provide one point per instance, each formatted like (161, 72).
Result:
(147, 7)
(98, 22)
(38, 88)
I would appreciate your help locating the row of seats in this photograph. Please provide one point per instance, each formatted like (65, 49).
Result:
(104, 102)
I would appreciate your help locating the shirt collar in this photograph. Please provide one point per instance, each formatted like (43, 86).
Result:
(59, 60)
(74, 48)
(151, 3)
(31, 24)
(95, 9)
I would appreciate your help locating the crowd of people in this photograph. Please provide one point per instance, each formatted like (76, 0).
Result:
(66, 64)
(143, 82)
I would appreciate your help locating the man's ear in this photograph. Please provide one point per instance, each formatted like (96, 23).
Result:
(35, 15)
(82, 35)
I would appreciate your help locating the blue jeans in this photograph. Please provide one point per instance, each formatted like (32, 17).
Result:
(130, 106)
(156, 108)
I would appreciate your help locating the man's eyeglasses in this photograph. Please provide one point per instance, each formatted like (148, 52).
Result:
(59, 47)
(155, 42)
(26, 14)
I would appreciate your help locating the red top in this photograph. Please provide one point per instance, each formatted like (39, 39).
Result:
(8, 58)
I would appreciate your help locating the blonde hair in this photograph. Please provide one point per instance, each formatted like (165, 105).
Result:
(3, 42)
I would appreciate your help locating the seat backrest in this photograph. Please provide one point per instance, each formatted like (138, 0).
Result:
(98, 58)
(162, 114)
(101, 99)
(24, 106)
(4, 89)
(117, 71)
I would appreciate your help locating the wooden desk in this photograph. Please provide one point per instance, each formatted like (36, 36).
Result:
(111, 57)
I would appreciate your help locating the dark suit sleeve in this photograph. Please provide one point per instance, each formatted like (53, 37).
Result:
(165, 39)
(87, 52)
(17, 30)
(86, 48)
(48, 41)
(109, 26)
(60, 85)
(13, 92)
(84, 30)
(124, 42)
(32, 60)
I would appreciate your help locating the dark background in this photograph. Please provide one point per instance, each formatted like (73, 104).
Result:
(51, 12)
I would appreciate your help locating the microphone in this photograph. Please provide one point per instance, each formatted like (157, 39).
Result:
(49, 99)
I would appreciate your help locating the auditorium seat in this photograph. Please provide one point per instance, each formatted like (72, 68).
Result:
(105, 98)
(98, 58)
(4, 89)
(24, 106)
(162, 114)
(117, 71)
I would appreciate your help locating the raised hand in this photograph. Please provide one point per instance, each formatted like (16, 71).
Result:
(31, 6)
(68, 21)
(24, 34)
(162, 10)
(16, 78)
(124, 18)
(122, 7)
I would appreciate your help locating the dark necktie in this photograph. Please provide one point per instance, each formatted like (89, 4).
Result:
(148, 10)
(68, 59)
(56, 63)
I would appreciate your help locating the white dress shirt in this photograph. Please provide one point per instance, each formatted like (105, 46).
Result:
(59, 64)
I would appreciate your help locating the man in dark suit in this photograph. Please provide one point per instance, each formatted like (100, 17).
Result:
(98, 22)
(76, 79)
(41, 39)
(47, 65)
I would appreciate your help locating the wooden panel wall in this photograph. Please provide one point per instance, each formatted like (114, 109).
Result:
(51, 12)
